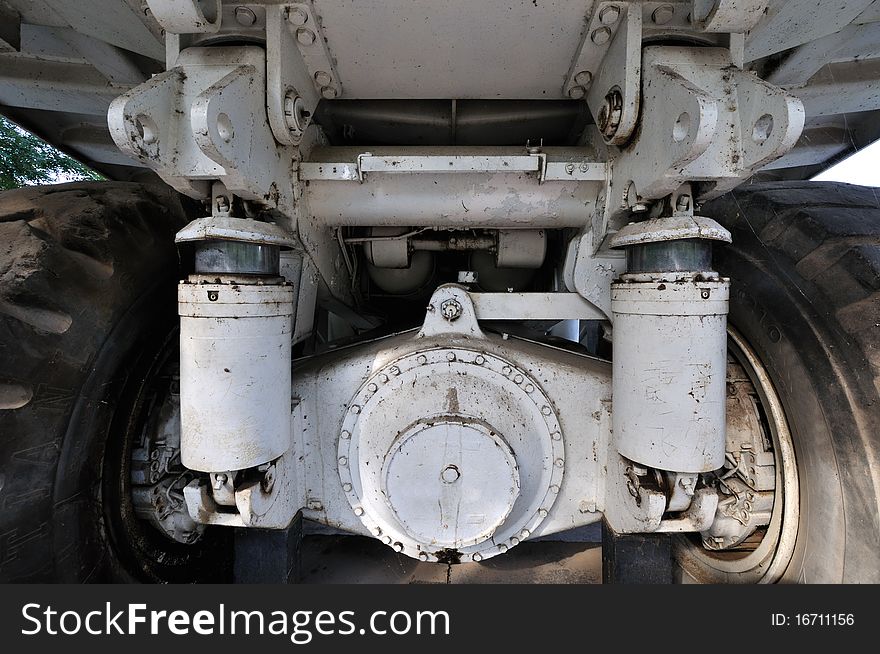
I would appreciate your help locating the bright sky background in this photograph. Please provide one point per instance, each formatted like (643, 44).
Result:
(863, 168)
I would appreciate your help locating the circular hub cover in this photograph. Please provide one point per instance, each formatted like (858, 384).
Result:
(451, 482)
(451, 454)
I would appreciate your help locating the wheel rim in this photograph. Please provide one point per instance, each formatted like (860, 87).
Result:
(145, 550)
(767, 562)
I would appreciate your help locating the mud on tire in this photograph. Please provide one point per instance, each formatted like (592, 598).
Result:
(87, 276)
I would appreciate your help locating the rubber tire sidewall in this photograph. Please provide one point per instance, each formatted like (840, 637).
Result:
(816, 378)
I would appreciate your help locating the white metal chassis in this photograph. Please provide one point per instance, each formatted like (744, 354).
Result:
(675, 125)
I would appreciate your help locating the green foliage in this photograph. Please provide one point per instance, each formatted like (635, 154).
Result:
(27, 160)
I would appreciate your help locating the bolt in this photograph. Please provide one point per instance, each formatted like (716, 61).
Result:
(560, 463)
(631, 487)
(267, 483)
(554, 489)
(683, 203)
(477, 557)
(383, 378)
(329, 92)
(518, 379)
(394, 370)
(296, 117)
(450, 474)
(398, 546)
(305, 36)
(529, 388)
(343, 461)
(451, 310)
(609, 15)
(245, 16)
(542, 513)
(297, 16)
(346, 435)
(355, 409)
(220, 480)
(514, 540)
(479, 360)
(546, 410)
(502, 547)
(221, 202)
(212, 296)
(450, 356)
(601, 35)
(663, 14)
(569, 168)
(346, 487)
(358, 511)
(584, 78)
(387, 540)
(704, 294)
(372, 388)
(556, 436)
(423, 556)
(610, 113)
(525, 533)
(422, 359)
(323, 78)
(577, 92)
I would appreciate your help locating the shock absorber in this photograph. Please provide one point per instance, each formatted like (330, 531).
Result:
(236, 320)
(670, 345)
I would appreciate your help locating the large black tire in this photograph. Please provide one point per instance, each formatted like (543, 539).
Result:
(87, 281)
(805, 295)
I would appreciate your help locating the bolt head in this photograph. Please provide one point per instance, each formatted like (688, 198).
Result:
(663, 14)
(450, 474)
(584, 78)
(358, 511)
(297, 16)
(577, 92)
(329, 92)
(600, 35)
(245, 16)
(609, 15)
(423, 556)
(323, 78)
(477, 557)
(451, 310)
(305, 36)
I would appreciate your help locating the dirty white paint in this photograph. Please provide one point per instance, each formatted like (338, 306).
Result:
(234, 374)
(670, 360)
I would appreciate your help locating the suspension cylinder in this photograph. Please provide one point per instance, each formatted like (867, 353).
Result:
(236, 324)
(670, 349)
